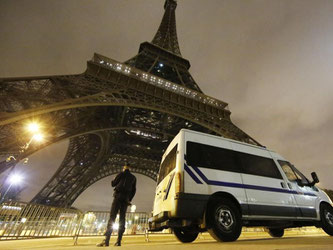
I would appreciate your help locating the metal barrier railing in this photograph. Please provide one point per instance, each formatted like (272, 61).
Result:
(94, 223)
(19, 220)
(24, 220)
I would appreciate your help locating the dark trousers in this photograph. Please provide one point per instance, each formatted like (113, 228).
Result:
(120, 206)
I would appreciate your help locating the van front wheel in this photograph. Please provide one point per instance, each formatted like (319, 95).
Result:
(224, 220)
(326, 216)
(185, 235)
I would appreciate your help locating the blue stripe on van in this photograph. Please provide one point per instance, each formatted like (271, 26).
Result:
(169, 186)
(246, 186)
(188, 170)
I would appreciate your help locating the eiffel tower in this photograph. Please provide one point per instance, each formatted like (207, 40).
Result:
(114, 112)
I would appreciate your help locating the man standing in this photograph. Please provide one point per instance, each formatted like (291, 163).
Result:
(124, 190)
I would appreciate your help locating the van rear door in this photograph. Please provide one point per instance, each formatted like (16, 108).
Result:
(165, 184)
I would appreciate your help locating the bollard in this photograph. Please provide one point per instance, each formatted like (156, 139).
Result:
(146, 235)
(76, 236)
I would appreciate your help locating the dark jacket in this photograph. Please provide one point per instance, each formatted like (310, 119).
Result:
(124, 186)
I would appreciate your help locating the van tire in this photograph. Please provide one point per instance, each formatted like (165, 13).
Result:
(185, 235)
(276, 232)
(224, 220)
(326, 217)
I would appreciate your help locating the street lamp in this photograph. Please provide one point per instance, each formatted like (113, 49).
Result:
(38, 137)
(133, 208)
(14, 179)
(33, 127)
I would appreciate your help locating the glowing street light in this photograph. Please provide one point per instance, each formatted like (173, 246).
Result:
(38, 137)
(115, 226)
(33, 127)
(133, 208)
(15, 179)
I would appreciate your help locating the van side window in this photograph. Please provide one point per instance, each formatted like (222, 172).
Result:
(288, 170)
(257, 165)
(292, 173)
(168, 164)
(201, 155)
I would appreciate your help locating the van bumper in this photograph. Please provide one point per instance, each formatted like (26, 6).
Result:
(158, 222)
(168, 223)
(189, 210)
(191, 206)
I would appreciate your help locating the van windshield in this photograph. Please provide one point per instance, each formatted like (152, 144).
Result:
(168, 164)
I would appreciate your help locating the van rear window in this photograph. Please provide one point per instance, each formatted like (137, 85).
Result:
(201, 155)
(168, 164)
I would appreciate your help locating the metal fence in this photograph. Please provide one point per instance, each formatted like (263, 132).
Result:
(23, 220)
(20, 220)
(94, 223)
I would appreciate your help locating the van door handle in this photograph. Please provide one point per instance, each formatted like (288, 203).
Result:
(283, 185)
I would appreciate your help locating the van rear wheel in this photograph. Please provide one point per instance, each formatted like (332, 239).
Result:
(224, 220)
(276, 232)
(185, 235)
(326, 217)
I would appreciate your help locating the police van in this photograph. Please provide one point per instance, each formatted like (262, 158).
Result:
(209, 183)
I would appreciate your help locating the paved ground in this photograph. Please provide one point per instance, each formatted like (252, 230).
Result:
(257, 241)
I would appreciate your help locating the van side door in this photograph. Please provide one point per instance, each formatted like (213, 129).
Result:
(212, 169)
(266, 190)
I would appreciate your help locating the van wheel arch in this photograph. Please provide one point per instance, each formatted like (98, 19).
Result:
(324, 202)
(219, 196)
(223, 217)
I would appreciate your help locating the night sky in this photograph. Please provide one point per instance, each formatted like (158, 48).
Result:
(270, 60)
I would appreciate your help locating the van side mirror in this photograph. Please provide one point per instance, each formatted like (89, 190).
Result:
(315, 178)
(299, 183)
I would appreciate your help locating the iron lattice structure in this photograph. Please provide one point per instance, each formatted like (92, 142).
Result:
(112, 113)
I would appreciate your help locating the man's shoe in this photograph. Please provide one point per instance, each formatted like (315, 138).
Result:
(117, 244)
(102, 244)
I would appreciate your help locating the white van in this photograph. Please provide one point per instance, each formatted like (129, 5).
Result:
(211, 183)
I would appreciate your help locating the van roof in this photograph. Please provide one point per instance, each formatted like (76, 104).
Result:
(226, 139)
(183, 130)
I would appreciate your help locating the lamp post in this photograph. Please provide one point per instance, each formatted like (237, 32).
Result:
(34, 129)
